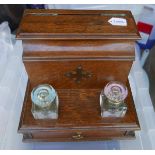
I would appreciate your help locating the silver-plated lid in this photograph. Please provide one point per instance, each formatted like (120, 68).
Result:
(116, 92)
(43, 95)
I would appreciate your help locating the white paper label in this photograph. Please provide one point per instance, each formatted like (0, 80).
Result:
(118, 21)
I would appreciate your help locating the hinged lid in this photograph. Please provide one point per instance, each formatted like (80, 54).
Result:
(77, 24)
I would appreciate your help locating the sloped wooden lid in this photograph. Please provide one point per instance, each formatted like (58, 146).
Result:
(76, 24)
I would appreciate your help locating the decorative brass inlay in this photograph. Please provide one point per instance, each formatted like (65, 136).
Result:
(78, 74)
(129, 133)
(27, 136)
(78, 136)
(74, 14)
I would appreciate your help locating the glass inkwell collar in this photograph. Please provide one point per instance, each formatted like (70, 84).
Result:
(44, 102)
(112, 100)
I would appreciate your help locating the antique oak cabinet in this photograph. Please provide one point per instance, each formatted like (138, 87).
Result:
(78, 53)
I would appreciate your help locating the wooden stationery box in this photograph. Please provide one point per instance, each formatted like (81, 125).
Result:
(78, 53)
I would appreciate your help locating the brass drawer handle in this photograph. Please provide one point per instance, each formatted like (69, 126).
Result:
(78, 136)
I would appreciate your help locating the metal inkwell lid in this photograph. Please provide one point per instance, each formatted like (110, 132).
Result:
(116, 92)
(43, 95)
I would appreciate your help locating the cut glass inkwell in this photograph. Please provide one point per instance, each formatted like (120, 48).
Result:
(44, 102)
(112, 100)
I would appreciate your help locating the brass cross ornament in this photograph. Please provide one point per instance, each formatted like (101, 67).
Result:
(78, 74)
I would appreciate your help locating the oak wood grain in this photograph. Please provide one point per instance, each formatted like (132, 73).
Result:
(56, 43)
(79, 111)
(75, 24)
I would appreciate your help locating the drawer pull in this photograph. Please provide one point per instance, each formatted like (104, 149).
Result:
(78, 136)
(78, 74)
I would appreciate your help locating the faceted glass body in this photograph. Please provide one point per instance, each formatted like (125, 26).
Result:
(44, 102)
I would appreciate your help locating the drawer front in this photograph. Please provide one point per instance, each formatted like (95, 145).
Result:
(78, 135)
(92, 74)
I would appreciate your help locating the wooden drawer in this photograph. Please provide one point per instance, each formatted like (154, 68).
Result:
(75, 135)
(77, 74)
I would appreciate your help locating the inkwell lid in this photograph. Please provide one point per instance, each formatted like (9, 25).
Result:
(43, 95)
(115, 92)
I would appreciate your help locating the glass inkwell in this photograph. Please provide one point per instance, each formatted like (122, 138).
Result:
(44, 102)
(112, 100)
